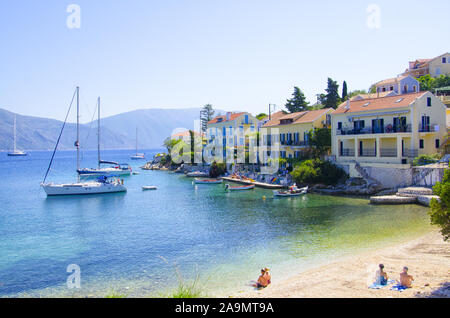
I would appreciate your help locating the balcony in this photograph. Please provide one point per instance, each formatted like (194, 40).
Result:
(367, 153)
(347, 152)
(410, 153)
(389, 129)
(300, 143)
(428, 128)
(388, 152)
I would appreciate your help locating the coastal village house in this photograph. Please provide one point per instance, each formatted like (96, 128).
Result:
(399, 85)
(437, 66)
(388, 131)
(293, 129)
(227, 127)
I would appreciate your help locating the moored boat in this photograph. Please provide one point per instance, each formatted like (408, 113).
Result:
(207, 181)
(16, 152)
(238, 188)
(292, 192)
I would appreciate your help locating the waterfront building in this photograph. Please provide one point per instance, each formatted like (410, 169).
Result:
(437, 66)
(292, 130)
(388, 131)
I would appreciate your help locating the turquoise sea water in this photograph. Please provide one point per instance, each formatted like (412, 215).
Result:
(135, 242)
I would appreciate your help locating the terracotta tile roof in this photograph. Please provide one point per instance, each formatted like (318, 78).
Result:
(378, 103)
(298, 118)
(391, 80)
(233, 116)
(186, 134)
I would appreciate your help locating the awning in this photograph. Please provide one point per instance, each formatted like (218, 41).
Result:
(379, 114)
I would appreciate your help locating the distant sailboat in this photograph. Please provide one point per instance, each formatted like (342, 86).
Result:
(137, 156)
(16, 152)
(102, 185)
(116, 169)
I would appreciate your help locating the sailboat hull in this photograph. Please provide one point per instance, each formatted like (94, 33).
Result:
(104, 172)
(17, 154)
(82, 188)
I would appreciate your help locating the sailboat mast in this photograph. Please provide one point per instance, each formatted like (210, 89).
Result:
(14, 133)
(136, 142)
(98, 133)
(78, 132)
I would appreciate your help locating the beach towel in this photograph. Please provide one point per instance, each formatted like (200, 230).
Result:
(378, 286)
(399, 287)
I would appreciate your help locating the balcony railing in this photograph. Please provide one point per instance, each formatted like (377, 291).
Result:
(410, 153)
(367, 153)
(375, 130)
(428, 128)
(388, 152)
(294, 143)
(347, 152)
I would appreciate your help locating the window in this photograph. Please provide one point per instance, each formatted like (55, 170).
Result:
(421, 144)
(246, 119)
(339, 125)
(444, 60)
(391, 88)
(428, 101)
(415, 88)
(437, 143)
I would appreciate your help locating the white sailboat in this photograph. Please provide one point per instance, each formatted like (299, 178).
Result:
(102, 185)
(137, 156)
(115, 168)
(16, 152)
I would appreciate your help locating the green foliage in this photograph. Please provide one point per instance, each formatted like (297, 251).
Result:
(331, 99)
(298, 102)
(206, 114)
(373, 89)
(344, 91)
(356, 92)
(439, 213)
(426, 159)
(429, 83)
(317, 171)
(261, 116)
(320, 140)
(217, 169)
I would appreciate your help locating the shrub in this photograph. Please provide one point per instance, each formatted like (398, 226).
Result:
(317, 171)
(426, 159)
(439, 213)
(217, 169)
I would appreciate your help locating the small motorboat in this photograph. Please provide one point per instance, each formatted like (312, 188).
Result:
(293, 192)
(207, 181)
(197, 174)
(149, 188)
(237, 188)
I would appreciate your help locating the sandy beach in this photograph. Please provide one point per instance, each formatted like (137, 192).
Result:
(427, 257)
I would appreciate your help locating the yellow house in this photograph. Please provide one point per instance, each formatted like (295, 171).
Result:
(437, 66)
(231, 129)
(291, 130)
(388, 131)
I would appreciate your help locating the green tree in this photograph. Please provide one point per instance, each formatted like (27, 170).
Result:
(261, 116)
(372, 89)
(426, 82)
(206, 114)
(344, 91)
(331, 99)
(439, 213)
(320, 140)
(298, 102)
(217, 169)
(356, 92)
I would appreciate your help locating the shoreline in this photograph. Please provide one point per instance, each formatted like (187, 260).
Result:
(428, 259)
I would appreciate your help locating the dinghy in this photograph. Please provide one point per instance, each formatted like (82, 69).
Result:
(149, 188)
(238, 188)
(207, 181)
(293, 192)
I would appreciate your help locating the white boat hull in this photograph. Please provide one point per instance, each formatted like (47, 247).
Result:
(82, 188)
(17, 154)
(207, 181)
(279, 193)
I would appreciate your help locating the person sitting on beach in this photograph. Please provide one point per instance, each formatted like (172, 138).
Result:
(267, 275)
(405, 279)
(381, 276)
(262, 280)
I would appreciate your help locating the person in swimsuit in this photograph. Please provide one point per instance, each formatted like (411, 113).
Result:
(262, 280)
(381, 276)
(405, 278)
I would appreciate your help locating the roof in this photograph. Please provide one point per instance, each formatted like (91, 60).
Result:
(371, 104)
(391, 80)
(233, 116)
(185, 133)
(298, 118)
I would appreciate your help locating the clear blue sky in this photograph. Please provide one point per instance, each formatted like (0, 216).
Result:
(234, 54)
